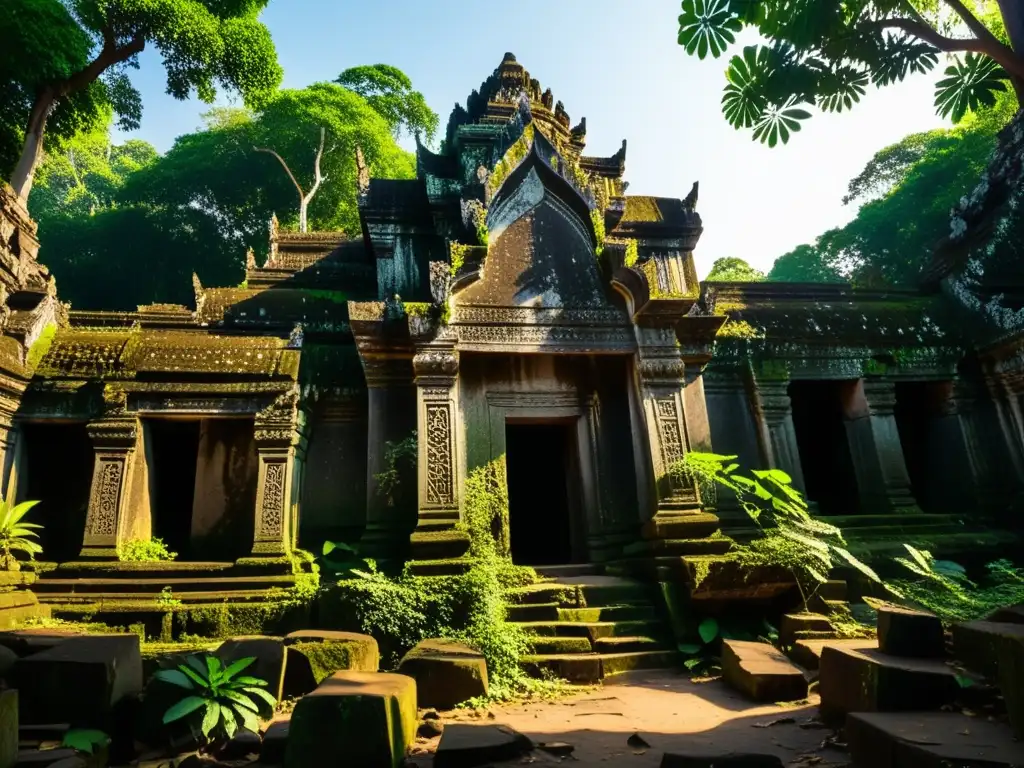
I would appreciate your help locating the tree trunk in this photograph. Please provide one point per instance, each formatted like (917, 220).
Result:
(32, 149)
(303, 213)
(1013, 18)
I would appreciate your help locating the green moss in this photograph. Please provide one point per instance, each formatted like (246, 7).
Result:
(417, 308)
(40, 346)
(457, 255)
(597, 219)
(632, 253)
(740, 329)
(144, 551)
(513, 157)
(337, 297)
(327, 658)
(485, 502)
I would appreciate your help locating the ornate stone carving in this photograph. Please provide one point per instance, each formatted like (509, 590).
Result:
(553, 337)
(672, 448)
(439, 456)
(436, 362)
(440, 281)
(880, 397)
(106, 497)
(662, 369)
(272, 508)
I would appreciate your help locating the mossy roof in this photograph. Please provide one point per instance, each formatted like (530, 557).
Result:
(275, 306)
(839, 314)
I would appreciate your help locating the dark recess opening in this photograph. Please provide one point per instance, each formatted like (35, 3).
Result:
(539, 492)
(824, 447)
(57, 473)
(916, 404)
(172, 470)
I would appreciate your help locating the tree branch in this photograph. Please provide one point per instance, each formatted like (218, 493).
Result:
(285, 166)
(990, 47)
(318, 177)
(973, 23)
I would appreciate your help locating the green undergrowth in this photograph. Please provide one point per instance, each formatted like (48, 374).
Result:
(144, 551)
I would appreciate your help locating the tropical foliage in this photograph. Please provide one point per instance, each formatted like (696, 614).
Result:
(15, 534)
(790, 537)
(219, 698)
(66, 64)
(733, 270)
(824, 54)
(144, 551)
(905, 194)
(389, 91)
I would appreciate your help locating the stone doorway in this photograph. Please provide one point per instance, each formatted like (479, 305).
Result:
(542, 461)
(203, 475)
(55, 469)
(824, 446)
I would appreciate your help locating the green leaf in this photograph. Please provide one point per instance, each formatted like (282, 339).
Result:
(237, 698)
(84, 739)
(235, 667)
(193, 676)
(175, 677)
(262, 694)
(248, 717)
(228, 719)
(210, 718)
(689, 649)
(691, 664)
(183, 708)
(707, 26)
(964, 681)
(862, 567)
(708, 630)
(970, 83)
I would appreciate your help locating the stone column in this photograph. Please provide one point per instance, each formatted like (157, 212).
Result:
(953, 465)
(778, 435)
(392, 419)
(119, 507)
(882, 479)
(10, 436)
(661, 380)
(280, 448)
(436, 369)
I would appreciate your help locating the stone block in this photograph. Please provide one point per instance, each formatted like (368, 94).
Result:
(720, 760)
(270, 659)
(446, 673)
(867, 680)
(914, 634)
(761, 672)
(976, 643)
(1011, 614)
(368, 717)
(930, 740)
(8, 728)
(315, 655)
(275, 742)
(50, 758)
(1011, 682)
(26, 642)
(7, 659)
(807, 653)
(792, 623)
(100, 669)
(470, 746)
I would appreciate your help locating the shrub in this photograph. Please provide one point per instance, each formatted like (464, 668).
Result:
(144, 551)
(15, 534)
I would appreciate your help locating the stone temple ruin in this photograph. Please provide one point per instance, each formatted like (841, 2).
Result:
(511, 307)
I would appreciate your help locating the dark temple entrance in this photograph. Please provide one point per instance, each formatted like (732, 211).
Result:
(173, 447)
(543, 500)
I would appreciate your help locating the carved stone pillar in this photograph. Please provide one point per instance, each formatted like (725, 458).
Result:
(661, 382)
(436, 369)
(778, 435)
(982, 460)
(391, 400)
(9, 439)
(280, 449)
(882, 479)
(119, 507)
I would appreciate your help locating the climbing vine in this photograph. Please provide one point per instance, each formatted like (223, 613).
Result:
(397, 457)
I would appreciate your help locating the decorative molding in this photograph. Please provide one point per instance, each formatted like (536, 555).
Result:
(105, 498)
(880, 396)
(535, 400)
(272, 501)
(550, 338)
(664, 371)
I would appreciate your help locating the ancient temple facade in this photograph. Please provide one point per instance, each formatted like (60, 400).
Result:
(510, 311)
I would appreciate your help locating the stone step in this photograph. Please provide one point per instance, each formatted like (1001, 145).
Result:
(590, 668)
(573, 569)
(976, 643)
(155, 585)
(608, 613)
(443, 567)
(895, 740)
(532, 612)
(867, 680)
(594, 630)
(581, 595)
(792, 623)
(542, 645)
(761, 672)
(533, 594)
(439, 545)
(690, 526)
(136, 599)
(807, 652)
(628, 644)
(679, 547)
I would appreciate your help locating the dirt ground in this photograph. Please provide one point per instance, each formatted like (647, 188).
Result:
(670, 713)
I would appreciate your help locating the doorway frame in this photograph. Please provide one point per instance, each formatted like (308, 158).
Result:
(557, 408)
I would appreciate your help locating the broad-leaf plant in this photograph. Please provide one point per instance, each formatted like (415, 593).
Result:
(15, 534)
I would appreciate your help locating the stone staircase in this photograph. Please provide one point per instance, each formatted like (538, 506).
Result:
(585, 626)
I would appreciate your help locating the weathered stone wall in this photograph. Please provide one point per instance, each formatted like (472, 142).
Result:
(225, 489)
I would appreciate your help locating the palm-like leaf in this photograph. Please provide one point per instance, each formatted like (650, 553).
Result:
(777, 123)
(744, 99)
(707, 26)
(970, 83)
(15, 534)
(841, 89)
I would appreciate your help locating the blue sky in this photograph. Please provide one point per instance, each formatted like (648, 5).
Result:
(617, 63)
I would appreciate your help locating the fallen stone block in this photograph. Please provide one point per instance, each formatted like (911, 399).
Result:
(915, 634)
(930, 740)
(8, 728)
(761, 673)
(101, 670)
(369, 717)
(867, 680)
(315, 655)
(807, 653)
(720, 760)
(801, 622)
(976, 643)
(26, 642)
(49, 758)
(470, 746)
(275, 742)
(446, 673)
(1011, 682)
(269, 653)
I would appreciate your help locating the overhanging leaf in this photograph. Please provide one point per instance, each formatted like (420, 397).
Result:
(183, 708)
(707, 26)
(708, 630)
(970, 84)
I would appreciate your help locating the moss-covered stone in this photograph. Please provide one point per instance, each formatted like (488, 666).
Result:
(360, 718)
(315, 655)
(976, 644)
(446, 673)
